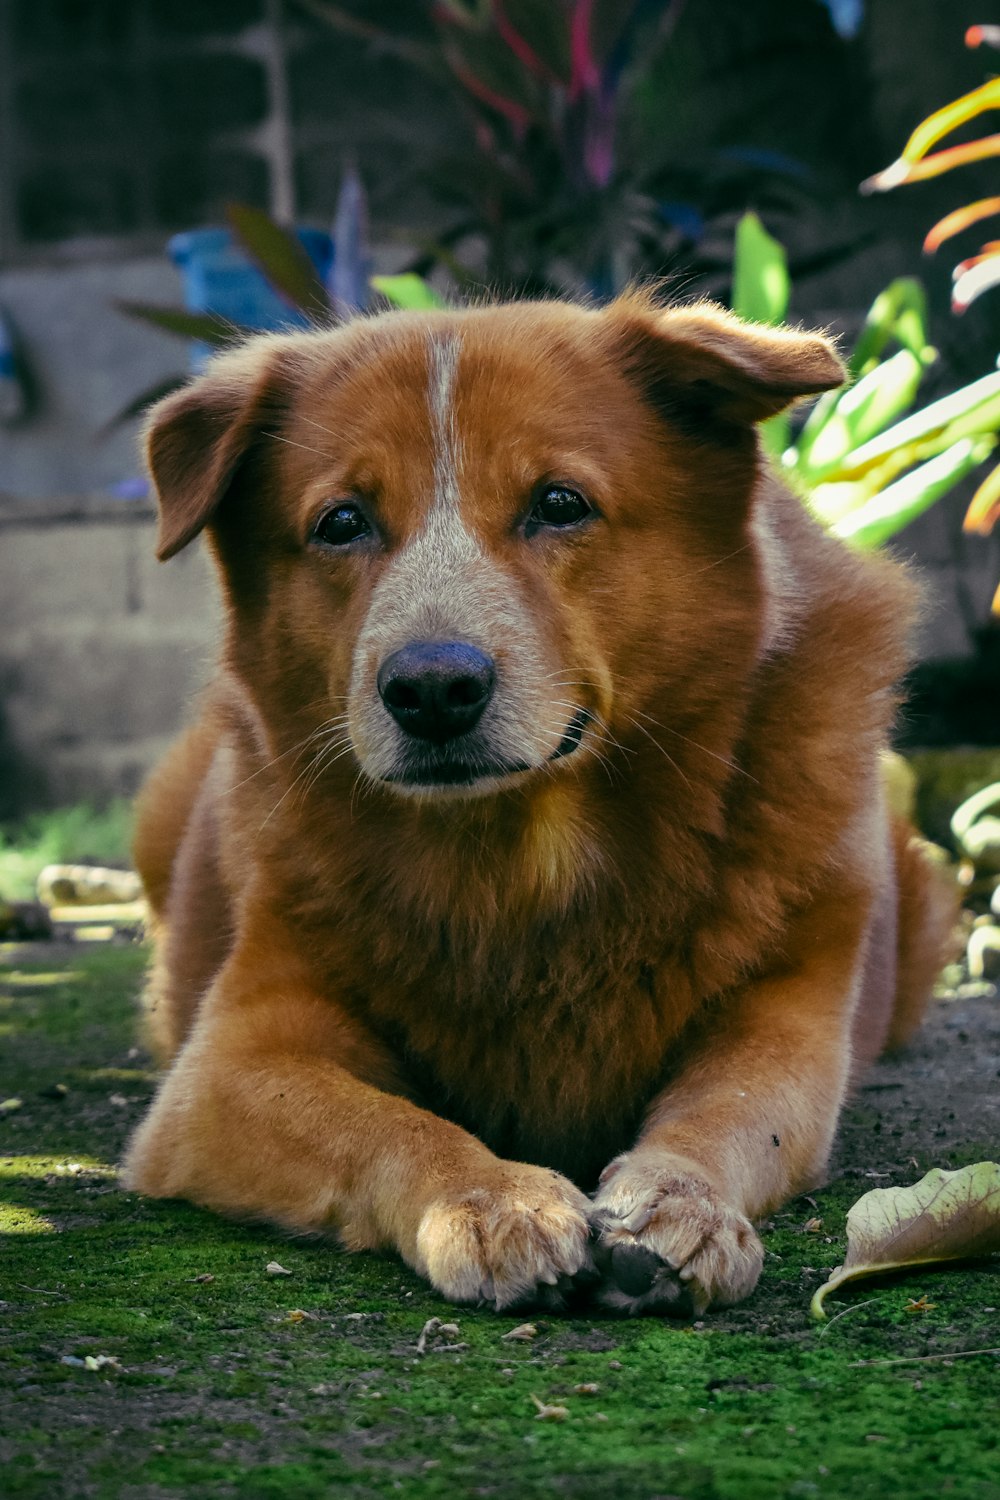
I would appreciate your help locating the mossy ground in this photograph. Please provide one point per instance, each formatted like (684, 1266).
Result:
(221, 1393)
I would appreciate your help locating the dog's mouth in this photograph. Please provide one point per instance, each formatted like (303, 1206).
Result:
(442, 768)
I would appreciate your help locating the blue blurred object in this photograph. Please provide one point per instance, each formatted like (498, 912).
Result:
(348, 281)
(13, 395)
(220, 279)
(762, 159)
(686, 217)
(846, 15)
(134, 488)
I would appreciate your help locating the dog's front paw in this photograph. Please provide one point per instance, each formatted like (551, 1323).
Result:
(522, 1239)
(667, 1242)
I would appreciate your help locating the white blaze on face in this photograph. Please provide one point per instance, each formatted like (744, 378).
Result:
(443, 362)
(444, 548)
(443, 585)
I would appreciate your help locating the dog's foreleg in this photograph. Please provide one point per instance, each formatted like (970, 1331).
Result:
(281, 1107)
(747, 1123)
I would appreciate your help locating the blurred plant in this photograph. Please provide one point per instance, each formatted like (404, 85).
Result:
(978, 273)
(69, 835)
(283, 262)
(976, 830)
(866, 469)
(557, 185)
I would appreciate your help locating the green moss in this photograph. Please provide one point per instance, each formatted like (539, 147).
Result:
(220, 1394)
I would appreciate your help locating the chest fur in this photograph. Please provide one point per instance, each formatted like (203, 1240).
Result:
(548, 1050)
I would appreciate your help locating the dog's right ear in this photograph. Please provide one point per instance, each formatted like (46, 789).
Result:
(196, 438)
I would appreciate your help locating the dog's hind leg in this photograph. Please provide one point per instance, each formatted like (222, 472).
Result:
(176, 851)
(928, 911)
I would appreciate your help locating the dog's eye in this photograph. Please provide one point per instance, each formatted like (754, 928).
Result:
(343, 524)
(558, 505)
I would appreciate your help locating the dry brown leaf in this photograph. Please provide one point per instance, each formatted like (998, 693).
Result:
(945, 1216)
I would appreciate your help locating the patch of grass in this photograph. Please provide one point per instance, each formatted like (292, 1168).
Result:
(219, 1393)
(70, 835)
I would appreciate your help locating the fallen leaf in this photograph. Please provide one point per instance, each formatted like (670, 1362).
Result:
(204, 1278)
(812, 1226)
(918, 1304)
(589, 1389)
(523, 1333)
(945, 1216)
(101, 1362)
(273, 1269)
(546, 1413)
(8, 1106)
(298, 1315)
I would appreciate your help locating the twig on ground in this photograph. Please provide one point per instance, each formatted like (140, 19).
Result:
(916, 1359)
(844, 1311)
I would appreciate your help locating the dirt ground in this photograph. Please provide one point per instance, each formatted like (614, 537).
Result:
(932, 1099)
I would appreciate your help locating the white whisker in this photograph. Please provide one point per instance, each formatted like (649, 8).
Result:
(278, 438)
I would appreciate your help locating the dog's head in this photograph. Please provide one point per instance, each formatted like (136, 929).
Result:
(479, 545)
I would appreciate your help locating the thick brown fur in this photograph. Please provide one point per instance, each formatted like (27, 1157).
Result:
(648, 968)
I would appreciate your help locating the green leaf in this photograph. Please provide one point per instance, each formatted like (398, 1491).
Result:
(280, 257)
(408, 291)
(775, 432)
(972, 403)
(761, 284)
(900, 313)
(945, 1216)
(858, 414)
(206, 327)
(900, 503)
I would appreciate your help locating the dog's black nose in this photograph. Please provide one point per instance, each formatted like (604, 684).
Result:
(436, 690)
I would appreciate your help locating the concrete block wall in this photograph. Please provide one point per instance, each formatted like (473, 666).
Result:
(102, 649)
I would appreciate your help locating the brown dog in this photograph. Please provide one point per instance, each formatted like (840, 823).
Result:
(531, 838)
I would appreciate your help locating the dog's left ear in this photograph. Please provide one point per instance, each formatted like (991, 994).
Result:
(197, 438)
(705, 360)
